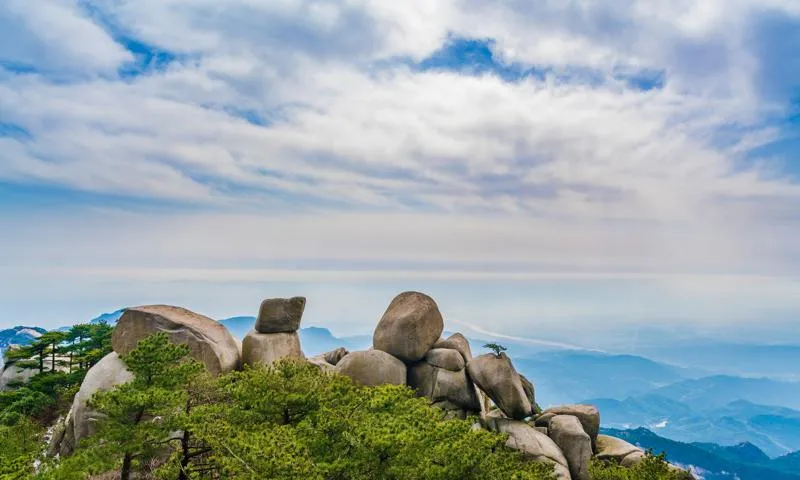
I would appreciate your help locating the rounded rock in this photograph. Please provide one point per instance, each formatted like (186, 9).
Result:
(372, 367)
(280, 315)
(410, 326)
(266, 348)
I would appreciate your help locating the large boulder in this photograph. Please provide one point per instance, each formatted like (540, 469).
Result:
(209, 342)
(82, 420)
(409, 327)
(495, 375)
(445, 358)
(14, 374)
(588, 415)
(567, 432)
(280, 315)
(530, 392)
(335, 356)
(532, 443)
(610, 448)
(439, 384)
(266, 348)
(372, 367)
(456, 342)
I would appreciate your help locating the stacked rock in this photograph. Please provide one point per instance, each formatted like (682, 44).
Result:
(275, 333)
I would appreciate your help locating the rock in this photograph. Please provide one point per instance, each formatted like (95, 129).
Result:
(567, 432)
(588, 415)
(543, 430)
(544, 419)
(409, 328)
(439, 384)
(209, 342)
(445, 358)
(13, 374)
(280, 315)
(106, 374)
(319, 361)
(266, 348)
(372, 367)
(452, 410)
(334, 356)
(615, 449)
(495, 375)
(457, 342)
(532, 443)
(530, 391)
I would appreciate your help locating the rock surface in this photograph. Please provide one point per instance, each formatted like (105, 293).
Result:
(445, 358)
(81, 421)
(280, 315)
(456, 342)
(616, 449)
(532, 443)
(439, 384)
(495, 375)
(266, 348)
(209, 342)
(334, 356)
(588, 415)
(409, 327)
(567, 432)
(14, 374)
(372, 367)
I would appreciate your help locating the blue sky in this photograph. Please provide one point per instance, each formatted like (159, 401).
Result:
(547, 167)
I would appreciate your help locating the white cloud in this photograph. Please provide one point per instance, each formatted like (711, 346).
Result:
(372, 162)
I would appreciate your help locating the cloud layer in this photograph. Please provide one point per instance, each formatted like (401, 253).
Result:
(462, 139)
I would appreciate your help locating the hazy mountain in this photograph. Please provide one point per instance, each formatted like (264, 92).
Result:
(19, 335)
(711, 463)
(773, 361)
(109, 318)
(742, 453)
(719, 390)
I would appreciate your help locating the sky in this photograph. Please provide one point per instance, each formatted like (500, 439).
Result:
(585, 171)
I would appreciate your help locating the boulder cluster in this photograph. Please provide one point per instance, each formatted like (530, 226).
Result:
(408, 349)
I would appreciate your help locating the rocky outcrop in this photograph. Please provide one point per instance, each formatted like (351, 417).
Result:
(456, 342)
(495, 375)
(409, 328)
(439, 384)
(372, 367)
(588, 415)
(335, 356)
(81, 421)
(532, 443)
(209, 342)
(618, 450)
(280, 315)
(445, 358)
(266, 348)
(13, 374)
(567, 432)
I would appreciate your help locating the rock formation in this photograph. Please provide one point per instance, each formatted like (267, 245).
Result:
(495, 375)
(280, 315)
(209, 342)
(567, 432)
(372, 367)
(409, 327)
(275, 333)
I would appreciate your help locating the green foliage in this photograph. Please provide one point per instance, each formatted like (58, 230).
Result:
(496, 348)
(653, 467)
(19, 446)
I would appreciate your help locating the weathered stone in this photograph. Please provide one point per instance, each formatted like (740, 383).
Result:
(445, 358)
(409, 327)
(13, 374)
(543, 430)
(372, 367)
(530, 391)
(209, 342)
(567, 432)
(266, 348)
(495, 375)
(457, 342)
(543, 420)
(588, 415)
(452, 410)
(532, 443)
(280, 315)
(319, 361)
(616, 449)
(334, 356)
(106, 374)
(439, 384)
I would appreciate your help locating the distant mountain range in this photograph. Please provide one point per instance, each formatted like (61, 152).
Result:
(714, 462)
(19, 335)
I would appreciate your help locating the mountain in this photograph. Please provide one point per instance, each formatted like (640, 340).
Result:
(109, 318)
(570, 376)
(708, 462)
(717, 391)
(775, 430)
(743, 453)
(788, 463)
(773, 361)
(19, 335)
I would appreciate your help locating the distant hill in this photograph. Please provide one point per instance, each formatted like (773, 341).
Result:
(710, 462)
(19, 335)
(719, 390)
(109, 318)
